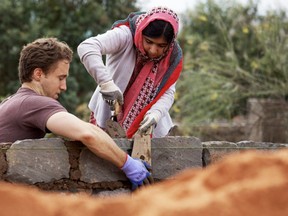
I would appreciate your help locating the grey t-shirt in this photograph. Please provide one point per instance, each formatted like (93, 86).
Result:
(24, 115)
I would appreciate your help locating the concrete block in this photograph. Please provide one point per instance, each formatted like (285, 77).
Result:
(39, 160)
(170, 155)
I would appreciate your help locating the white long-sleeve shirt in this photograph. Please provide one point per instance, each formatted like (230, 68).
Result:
(117, 45)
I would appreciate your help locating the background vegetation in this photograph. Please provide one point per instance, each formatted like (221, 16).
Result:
(71, 21)
(231, 52)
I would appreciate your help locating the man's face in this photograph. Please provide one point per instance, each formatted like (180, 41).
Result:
(55, 81)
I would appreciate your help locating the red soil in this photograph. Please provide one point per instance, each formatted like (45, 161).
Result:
(250, 183)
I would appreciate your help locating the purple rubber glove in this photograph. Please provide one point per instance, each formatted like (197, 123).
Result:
(138, 172)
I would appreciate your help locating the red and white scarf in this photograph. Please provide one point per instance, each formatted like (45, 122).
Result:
(151, 77)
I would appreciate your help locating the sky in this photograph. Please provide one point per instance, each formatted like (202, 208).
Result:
(179, 6)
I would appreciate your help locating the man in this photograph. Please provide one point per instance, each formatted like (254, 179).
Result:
(34, 110)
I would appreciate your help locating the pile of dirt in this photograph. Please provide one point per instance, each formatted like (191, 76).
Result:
(250, 183)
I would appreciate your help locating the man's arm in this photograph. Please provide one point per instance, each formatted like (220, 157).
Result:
(100, 143)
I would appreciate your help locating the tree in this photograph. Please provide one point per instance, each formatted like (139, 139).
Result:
(71, 21)
(231, 54)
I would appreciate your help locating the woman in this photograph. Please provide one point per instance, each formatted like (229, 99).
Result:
(143, 63)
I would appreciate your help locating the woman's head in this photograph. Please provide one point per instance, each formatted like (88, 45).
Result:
(157, 37)
(158, 28)
(158, 23)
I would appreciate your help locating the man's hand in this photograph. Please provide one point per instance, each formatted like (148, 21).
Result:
(111, 93)
(150, 119)
(138, 172)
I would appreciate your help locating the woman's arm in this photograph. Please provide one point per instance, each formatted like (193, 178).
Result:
(165, 102)
(91, 50)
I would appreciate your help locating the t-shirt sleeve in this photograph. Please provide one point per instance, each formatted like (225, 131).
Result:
(36, 113)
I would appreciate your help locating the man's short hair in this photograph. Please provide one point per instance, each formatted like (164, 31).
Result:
(42, 53)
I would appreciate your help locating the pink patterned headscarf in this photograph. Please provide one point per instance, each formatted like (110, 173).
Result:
(157, 13)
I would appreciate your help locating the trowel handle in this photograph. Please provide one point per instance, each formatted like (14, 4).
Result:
(117, 108)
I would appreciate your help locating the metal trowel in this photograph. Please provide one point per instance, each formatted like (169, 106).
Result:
(113, 128)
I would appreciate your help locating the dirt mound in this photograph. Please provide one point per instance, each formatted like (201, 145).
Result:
(249, 183)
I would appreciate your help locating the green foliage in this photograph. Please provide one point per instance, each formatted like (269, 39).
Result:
(71, 21)
(231, 54)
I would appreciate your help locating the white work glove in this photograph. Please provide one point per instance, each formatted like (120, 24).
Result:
(151, 118)
(111, 93)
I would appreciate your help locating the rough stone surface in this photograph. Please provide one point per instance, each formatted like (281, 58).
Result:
(251, 145)
(95, 169)
(43, 160)
(217, 150)
(169, 156)
(55, 164)
(173, 154)
(112, 193)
